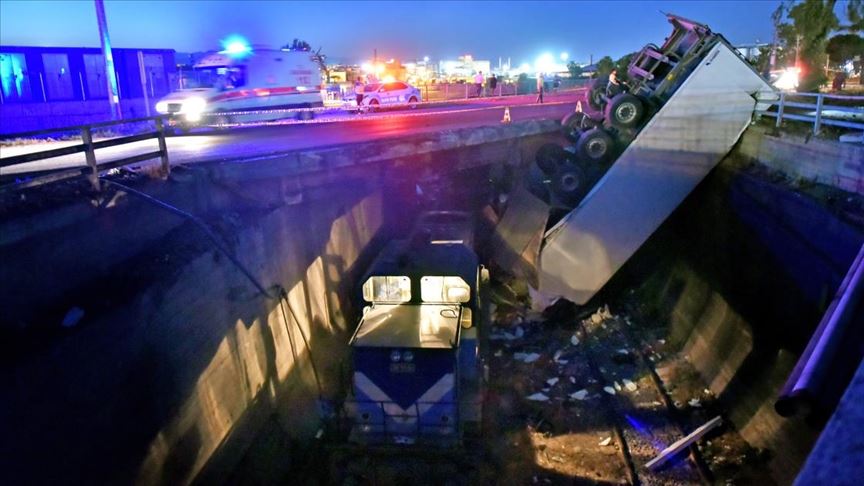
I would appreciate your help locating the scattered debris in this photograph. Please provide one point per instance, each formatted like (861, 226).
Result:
(552, 381)
(319, 434)
(574, 340)
(572, 380)
(683, 443)
(579, 395)
(629, 385)
(605, 442)
(601, 315)
(617, 386)
(499, 353)
(538, 397)
(695, 403)
(609, 390)
(526, 357)
(72, 317)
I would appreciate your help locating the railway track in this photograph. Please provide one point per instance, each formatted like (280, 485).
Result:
(643, 418)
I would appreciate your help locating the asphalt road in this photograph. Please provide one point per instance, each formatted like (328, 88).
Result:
(266, 139)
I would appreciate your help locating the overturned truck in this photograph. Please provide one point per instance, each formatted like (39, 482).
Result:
(637, 154)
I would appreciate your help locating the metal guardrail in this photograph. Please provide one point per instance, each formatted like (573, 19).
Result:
(819, 118)
(89, 147)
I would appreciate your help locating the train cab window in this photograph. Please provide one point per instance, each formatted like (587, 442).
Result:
(444, 289)
(387, 289)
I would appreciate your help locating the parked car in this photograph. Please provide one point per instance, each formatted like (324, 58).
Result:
(396, 93)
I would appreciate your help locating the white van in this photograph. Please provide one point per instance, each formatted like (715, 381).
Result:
(260, 79)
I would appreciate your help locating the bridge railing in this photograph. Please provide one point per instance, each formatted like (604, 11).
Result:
(818, 109)
(153, 128)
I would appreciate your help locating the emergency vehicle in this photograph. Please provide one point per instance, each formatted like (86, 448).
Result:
(254, 79)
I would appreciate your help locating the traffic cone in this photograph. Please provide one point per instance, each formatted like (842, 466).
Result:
(506, 119)
(579, 106)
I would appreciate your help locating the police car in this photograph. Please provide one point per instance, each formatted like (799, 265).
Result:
(395, 93)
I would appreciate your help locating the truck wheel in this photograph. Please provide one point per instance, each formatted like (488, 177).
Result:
(550, 157)
(412, 102)
(373, 105)
(596, 90)
(569, 184)
(305, 115)
(624, 111)
(595, 145)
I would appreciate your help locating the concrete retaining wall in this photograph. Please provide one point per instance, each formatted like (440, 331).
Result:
(742, 282)
(837, 164)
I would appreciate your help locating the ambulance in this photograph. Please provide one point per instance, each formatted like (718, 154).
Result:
(241, 79)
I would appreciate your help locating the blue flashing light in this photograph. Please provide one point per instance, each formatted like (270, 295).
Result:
(236, 46)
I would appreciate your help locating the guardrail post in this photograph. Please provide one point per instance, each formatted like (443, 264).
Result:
(90, 156)
(466, 91)
(817, 125)
(163, 147)
(780, 110)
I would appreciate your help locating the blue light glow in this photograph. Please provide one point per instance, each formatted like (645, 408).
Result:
(236, 46)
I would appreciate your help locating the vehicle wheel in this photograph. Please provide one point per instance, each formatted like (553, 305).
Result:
(595, 145)
(569, 184)
(305, 115)
(412, 102)
(575, 123)
(596, 91)
(550, 157)
(373, 105)
(624, 111)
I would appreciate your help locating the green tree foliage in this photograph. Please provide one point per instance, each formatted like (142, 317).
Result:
(844, 48)
(605, 66)
(622, 64)
(807, 34)
(575, 69)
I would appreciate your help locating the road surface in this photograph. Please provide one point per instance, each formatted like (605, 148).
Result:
(278, 137)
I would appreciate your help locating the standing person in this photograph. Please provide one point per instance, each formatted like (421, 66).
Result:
(358, 90)
(493, 83)
(478, 82)
(614, 86)
(539, 88)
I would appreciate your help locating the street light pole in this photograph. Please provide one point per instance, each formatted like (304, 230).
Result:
(110, 75)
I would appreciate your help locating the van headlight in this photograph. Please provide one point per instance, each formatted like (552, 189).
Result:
(162, 107)
(193, 107)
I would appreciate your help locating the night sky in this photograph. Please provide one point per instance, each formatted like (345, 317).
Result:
(349, 31)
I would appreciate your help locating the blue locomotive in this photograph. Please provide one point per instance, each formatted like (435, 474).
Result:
(415, 353)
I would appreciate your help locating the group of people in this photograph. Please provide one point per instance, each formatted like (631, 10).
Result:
(479, 81)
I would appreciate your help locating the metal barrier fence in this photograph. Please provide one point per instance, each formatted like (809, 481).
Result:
(788, 107)
(88, 146)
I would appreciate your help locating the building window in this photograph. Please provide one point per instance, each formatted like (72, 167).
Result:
(14, 81)
(94, 68)
(58, 79)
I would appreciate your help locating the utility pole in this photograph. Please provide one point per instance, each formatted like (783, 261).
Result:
(110, 75)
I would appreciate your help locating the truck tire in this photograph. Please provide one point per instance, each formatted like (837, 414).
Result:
(624, 111)
(596, 91)
(373, 105)
(569, 184)
(575, 123)
(305, 115)
(595, 145)
(412, 102)
(550, 157)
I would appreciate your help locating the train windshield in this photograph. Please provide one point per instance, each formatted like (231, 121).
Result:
(387, 289)
(444, 289)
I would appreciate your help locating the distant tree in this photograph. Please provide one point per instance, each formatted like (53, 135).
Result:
(855, 12)
(807, 36)
(605, 66)
(297, 45)
(622, 64)
(575, 69)
(844, 48)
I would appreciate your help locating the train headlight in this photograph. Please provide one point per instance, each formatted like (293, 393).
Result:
(395, 356)
(407, 356)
